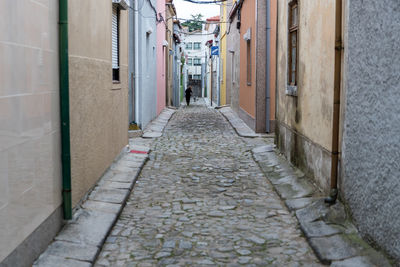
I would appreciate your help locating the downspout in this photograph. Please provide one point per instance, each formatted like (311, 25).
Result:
(136, 68)
(268, 68)
(64, 109)
(218, 73)
(336, 103)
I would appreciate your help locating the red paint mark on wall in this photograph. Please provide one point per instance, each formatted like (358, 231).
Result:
(138, 152)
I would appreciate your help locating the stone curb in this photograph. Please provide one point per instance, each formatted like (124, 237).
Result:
(238, 124)
(155, 128)
(81, 239)
(328, 229)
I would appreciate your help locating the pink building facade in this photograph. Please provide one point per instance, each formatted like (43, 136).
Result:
(161, 94)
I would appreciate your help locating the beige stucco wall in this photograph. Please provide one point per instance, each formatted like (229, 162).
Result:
(310, 113)
(30, 162)
(99, 108)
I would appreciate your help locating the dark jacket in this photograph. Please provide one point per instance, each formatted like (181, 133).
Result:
(188, 92)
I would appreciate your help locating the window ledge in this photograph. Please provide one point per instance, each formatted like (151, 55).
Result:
(291, 90)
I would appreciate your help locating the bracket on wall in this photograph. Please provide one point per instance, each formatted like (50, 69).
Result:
(247, 35)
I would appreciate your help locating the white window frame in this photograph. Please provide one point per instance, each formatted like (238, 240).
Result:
(115, 46)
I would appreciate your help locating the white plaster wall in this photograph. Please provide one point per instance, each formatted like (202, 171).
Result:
(147, 65)
(30, 172)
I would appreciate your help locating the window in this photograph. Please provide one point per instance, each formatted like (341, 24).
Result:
(196, 62)
(188, 45)
(189, 62)
(248, 44)
(196, 77)
(115, 42)
(293, 43)
(196, 46)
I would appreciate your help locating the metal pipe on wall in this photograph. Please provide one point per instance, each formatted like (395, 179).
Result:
(268, 67)
(136, 68)
(64, 109)
(336, 103)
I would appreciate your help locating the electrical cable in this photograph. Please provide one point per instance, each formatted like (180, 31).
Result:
(205, 2)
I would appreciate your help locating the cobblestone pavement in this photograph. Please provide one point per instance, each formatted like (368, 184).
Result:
(202, 200)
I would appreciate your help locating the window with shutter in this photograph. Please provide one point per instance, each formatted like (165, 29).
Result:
(115, 42)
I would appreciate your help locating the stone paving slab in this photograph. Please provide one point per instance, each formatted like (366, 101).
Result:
(155, 128)
(354, 262)
(328, 229)
(51, 261)
(73, 251)
(333, 248)
(91, 228)
(80, 240)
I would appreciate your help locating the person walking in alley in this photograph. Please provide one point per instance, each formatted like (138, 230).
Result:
(188, 94)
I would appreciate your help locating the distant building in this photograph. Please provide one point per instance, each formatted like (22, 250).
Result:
(195, 49)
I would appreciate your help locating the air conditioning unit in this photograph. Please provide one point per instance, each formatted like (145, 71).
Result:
(123, 4)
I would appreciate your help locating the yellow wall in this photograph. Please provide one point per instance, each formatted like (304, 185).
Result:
(99, 108)
(223, 53)
(310, 113)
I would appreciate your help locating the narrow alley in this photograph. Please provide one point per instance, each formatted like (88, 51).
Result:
(201, 200)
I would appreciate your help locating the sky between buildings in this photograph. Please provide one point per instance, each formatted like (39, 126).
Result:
(184, 9)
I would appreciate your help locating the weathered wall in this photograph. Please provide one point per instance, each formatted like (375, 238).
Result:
(371, 141)
(30, 162)
(248, 92)
(233, 66)
(99, 108)
(308, 116)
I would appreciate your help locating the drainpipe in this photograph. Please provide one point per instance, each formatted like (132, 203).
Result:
(268, 67)
(136, 68)
(64, 109)
(336, 103)
(218, 72)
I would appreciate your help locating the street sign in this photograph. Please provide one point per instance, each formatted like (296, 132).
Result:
(215, 50)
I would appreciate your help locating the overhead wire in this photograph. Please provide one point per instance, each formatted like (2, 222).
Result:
(205, 2)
